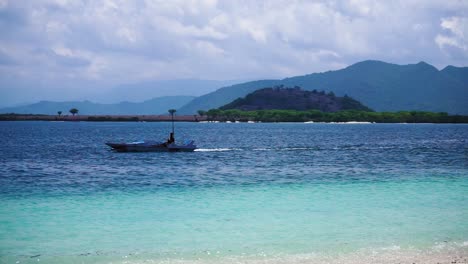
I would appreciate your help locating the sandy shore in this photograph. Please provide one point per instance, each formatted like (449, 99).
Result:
(453, 255)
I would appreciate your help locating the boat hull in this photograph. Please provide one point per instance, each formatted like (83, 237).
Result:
(142, 147)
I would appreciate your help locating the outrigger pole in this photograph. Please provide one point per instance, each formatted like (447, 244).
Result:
(172, 111)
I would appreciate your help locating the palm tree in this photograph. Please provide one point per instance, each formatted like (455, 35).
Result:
(74, 111)
(201, 113)
(59, 113)
(172, 111)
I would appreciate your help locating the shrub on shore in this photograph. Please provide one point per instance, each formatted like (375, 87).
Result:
(340, 116)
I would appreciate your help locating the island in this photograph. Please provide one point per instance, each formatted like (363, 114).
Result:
(283, 104)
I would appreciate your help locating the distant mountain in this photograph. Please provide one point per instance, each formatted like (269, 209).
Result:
(379, 85)
(224, 95)
(294, 99)
(14, 92)
(154, 106)
(137, 92)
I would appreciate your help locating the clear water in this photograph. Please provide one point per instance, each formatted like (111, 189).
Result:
(251, 193)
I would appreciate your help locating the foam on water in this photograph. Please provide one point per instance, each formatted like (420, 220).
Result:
(214, 149)
(451, 254)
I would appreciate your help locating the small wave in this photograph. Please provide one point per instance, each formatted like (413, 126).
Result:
(261, 149)
(299, 148)
(215, 149)
(387, 256)
(285, 149)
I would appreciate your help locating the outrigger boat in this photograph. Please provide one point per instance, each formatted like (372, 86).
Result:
(155, 146)
(152, 146)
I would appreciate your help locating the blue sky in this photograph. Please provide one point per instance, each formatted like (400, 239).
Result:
(64, 50)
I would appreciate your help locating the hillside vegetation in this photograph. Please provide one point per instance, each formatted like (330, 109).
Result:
(341, 116)
(294, 99)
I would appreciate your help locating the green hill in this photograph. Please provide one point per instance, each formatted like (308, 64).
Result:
(280, 98)
(379, 85)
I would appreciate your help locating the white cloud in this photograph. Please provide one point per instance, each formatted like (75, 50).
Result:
(62, 51)
(3, 3)
(115, 41)
(255, 31)
(209, 49)
(127, 34)
(458, 33)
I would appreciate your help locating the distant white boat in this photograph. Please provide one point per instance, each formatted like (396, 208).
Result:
(308, 122)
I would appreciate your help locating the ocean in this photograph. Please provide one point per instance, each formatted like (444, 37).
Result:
(251, 193)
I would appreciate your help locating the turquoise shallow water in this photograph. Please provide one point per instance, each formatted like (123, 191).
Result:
(262, 191)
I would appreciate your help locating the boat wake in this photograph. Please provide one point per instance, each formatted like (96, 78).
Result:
(215, 149)
(359, 147)
(254, 149)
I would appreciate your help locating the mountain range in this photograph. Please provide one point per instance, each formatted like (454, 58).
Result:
(379, 85)
(154, 106)
(140, 91)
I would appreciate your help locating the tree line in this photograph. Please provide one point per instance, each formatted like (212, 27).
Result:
(341, 116)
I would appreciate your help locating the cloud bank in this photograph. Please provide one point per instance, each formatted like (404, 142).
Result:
(64, 49)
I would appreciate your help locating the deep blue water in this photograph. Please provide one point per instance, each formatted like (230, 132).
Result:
(59, 158)
(248, 189)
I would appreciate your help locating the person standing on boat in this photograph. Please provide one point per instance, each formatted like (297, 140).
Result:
(171, 138)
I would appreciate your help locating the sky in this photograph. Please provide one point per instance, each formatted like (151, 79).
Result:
(74, 50)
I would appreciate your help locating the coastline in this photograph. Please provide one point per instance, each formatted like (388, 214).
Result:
(167, 118)
(439, 254)
(102, 118)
